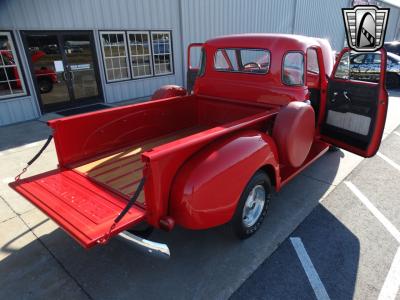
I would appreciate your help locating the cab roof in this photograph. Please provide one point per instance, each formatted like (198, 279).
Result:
(269, 40)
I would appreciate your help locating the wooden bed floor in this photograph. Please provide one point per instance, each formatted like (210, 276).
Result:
(122, 171)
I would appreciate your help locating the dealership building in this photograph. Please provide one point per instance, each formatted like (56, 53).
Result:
(62, 54)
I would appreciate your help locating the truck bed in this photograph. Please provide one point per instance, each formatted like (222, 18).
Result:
(102, 156)
(120, 168)
(122, 171)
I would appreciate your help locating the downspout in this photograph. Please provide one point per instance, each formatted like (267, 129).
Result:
(182, 43)
(294, 16)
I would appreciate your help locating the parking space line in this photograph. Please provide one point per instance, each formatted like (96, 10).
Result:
(389, 161)
(385, 222)
(391, 285)
(7, 180)
(31, 145)
(312, 275)
(396, 133)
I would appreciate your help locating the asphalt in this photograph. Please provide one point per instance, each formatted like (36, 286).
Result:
(38, 260)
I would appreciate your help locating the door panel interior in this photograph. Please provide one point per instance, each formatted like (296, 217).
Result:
(356, 105)
(350, 112)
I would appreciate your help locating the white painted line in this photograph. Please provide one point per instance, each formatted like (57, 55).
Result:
(396, 133)
(315, 281)
(7, 180)
(30, 145)
(385, 222)
(389, 161)
(391, 285)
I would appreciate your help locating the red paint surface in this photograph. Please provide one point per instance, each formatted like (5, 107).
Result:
(83, 209)
(294, 131)
(207, 188)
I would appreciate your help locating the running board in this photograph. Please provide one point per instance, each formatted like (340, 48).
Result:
(153, 248)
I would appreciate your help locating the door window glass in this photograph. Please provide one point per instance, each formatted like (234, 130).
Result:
(48, 68)
(80, 65)
(353, 66)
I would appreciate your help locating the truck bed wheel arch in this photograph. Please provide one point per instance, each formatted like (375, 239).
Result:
(207, 188)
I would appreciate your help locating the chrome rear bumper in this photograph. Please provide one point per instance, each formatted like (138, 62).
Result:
(152, 248)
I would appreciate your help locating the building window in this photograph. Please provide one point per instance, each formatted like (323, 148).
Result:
(140, 54)
(162, 52)
(115, 55)
(11, 80)
(293, 68)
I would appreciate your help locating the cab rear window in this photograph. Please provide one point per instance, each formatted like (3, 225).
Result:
(254, 61)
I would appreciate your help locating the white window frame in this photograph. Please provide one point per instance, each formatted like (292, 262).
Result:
(17, 65)
(127, 55)
(150, 41)
(170, 52)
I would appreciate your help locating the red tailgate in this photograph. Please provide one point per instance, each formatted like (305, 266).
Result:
(82, 208)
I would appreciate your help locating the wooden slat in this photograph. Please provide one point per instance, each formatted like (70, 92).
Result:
(112, 173)
(120, 169)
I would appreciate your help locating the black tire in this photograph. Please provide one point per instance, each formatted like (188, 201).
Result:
(392, 81)
(45, 85)
(238, 224)
(333, 148)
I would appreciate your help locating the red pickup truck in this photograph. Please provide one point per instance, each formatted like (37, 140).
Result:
(262, 108)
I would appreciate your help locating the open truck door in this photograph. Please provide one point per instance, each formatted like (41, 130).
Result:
(356, 104)
(194, 57)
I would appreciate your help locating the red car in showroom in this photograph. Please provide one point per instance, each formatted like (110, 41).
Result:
(46, 77)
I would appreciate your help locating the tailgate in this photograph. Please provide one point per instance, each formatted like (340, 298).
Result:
(82, 208)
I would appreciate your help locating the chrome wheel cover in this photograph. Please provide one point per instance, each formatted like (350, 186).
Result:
(253, 206)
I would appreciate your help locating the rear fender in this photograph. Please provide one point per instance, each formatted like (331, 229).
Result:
(207, 188)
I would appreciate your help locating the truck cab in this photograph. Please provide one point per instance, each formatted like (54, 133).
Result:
(259, 109)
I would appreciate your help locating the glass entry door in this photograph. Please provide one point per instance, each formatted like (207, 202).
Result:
(63, 65)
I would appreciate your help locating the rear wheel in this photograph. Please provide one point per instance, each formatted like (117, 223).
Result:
(45, 85)
(252, 206)
(333, 148)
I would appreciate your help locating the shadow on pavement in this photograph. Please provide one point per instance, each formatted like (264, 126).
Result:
(21, 134)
